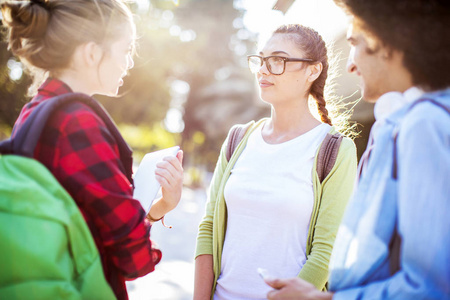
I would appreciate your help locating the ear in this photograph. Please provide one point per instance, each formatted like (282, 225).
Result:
(388, 53)
(314, 71)
(90, 54)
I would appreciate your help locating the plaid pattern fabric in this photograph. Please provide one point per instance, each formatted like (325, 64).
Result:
(78, 149)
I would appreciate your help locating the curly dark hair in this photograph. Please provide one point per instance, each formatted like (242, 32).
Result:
(418, 28)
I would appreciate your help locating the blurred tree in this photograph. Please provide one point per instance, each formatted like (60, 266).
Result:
(201, 43)
(221, 88)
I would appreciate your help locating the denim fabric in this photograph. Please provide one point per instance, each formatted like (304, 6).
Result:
(417, 204)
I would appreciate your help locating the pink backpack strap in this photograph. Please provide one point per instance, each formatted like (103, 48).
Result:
(328, 154)
(235, 136)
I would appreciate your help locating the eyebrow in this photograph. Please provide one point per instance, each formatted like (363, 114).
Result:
(275, 52)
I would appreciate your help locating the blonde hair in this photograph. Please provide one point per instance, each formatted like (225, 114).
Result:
(333, 110)
(45, 33)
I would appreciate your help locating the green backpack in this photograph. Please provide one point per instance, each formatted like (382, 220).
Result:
(46, 248)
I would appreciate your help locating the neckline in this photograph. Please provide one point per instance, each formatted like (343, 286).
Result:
(305, 135)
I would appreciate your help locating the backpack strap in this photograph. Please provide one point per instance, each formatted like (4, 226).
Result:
(28, 135)
(326, 157)
(235, 136)
(328, 154)
(394, 252)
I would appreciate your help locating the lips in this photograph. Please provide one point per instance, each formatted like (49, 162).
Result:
(265, 83)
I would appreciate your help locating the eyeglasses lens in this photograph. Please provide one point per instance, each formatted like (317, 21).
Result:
(275, 65)
(254, 63)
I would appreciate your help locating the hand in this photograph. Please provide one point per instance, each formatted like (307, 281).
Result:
(169, 173)
(295, 289)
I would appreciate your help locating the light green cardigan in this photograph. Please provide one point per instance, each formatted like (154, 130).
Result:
(330, 199)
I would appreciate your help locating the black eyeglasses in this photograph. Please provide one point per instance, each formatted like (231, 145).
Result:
(275, 64)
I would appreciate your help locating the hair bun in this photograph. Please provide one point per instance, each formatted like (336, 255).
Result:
(27, 21)
(42, 3)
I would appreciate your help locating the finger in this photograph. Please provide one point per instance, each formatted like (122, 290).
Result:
(174, 161)
(170, 178)
(165, 165)
(167, 170)
(276, 283)
(272, 295)
(162, 181)
(180, 156)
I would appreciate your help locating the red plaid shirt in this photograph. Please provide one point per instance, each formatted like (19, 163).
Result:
(78, 149)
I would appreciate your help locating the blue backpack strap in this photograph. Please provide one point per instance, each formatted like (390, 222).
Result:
(28, 135)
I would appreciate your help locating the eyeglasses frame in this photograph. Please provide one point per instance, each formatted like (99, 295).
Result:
(285, 60)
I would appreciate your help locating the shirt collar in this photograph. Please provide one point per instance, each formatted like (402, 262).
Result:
(53, 87)
(392, 101)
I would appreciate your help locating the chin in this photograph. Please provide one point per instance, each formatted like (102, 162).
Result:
(266, 98)
(369, 96)
(370, 99)
(113, 93)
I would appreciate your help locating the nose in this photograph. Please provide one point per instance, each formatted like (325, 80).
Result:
(351, 66)
(263, 69)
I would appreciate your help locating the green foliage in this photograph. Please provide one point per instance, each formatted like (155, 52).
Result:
(13, 94)
(143, 139)
(5, 131)
(194, 177)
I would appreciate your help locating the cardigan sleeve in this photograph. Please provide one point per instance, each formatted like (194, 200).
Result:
(333, 195)
(205, 232)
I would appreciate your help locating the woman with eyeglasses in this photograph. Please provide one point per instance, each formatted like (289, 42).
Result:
(267, 207)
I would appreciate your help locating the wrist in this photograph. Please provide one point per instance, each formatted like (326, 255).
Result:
(167, 205)
(157, 212)
(159, 208)
(152, 219)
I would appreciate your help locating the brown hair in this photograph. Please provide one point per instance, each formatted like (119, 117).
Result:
(314, 47)
(45, 33)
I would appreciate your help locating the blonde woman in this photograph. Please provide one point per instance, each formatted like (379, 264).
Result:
(86, 47)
